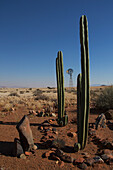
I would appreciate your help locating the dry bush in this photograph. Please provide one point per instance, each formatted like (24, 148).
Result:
(14, 94)
(22, 92)
(104, 100)
(37, 92)
(42, 97)
(7, 107)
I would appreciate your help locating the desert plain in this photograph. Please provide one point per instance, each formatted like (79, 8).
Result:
(40, 106)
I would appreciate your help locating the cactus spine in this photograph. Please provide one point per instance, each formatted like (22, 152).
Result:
(83, 85)
(62, 118)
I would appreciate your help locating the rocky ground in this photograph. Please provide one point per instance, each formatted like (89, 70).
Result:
(55, 145)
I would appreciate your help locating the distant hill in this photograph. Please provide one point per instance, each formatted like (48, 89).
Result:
(98, 85)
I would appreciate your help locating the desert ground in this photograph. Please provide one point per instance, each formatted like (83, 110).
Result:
(40, 106)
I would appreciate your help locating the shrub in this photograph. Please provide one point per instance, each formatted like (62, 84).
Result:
(14, 94)
(37, 92)
(104, 100)
(42, 97)
(21, 92)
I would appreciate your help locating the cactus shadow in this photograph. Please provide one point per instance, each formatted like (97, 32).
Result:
(6, 148)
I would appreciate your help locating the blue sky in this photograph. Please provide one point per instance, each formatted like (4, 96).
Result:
(33, 31)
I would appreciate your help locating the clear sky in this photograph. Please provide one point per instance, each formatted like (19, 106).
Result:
(33, 31)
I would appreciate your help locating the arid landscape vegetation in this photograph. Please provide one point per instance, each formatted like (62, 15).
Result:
(55, 144)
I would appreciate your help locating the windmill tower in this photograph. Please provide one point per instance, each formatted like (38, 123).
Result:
(70, 71)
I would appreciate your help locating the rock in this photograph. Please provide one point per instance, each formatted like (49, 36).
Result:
(67, 158)
(60, 163)
(105, 157)
(85, 155)
(53, 114)
(100, 121)
(109, 114)
(98, 159)
(107, 151)
(34, 147)
(40, 128)
(59, 152)
(32, 112)
(54, 157)
(41, 114)
(28, 153)
(89, 161)
(91, 132)
(58, 143)
(78, 161)
(18, 150)
(82, 166)
(25, 133)
(22, 156)
(47, 154)
(72, 134)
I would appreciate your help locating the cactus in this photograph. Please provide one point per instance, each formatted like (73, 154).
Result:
(83, 86)
(62, 117)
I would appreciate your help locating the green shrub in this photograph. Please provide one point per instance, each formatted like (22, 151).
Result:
(104, 100)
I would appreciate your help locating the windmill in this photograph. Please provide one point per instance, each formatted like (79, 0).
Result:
(70, 71)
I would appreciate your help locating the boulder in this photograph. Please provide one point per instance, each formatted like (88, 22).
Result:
(100, 121)
(25, 133)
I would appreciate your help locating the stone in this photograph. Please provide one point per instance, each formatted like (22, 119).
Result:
(53, 114)
(58, 143)
(67, 158)
(59, 152)
(89, 161)
(60, 163)
(82, 166)
(78, 161)
(72, 134)
(54, 157)
(25, 133)
(91, 132)
(100, 121)
(40, 128)
(47, 154)
(98, 159)
(34, 147)
(104, 157)
(41, 114)
(32, 112)
(109, 114)
(22, 156)
(18, 150)
(85, 155)
(28, 153)
(107, 151)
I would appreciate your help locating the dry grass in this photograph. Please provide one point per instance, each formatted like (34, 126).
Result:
(37, 99)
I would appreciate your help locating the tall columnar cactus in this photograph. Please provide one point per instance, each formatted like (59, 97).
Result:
(62, 118)
(83, 86)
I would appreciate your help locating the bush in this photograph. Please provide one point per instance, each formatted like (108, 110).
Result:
(21, 92)
(14, 94)
(104, 100)
(37, 92)
(42, 97)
